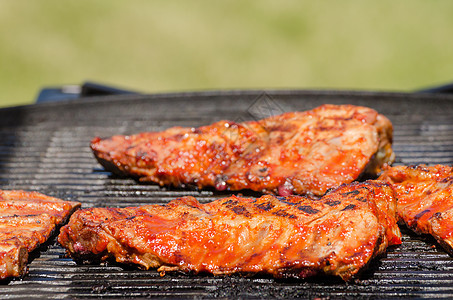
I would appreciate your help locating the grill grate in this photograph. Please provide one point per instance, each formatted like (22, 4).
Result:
(45, 148)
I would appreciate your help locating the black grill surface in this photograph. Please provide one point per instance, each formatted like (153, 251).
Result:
(45, 148)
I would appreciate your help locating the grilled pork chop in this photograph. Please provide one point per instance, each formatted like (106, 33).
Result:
(292, 236)
(293, 153)
(425, 199)
(27, 219)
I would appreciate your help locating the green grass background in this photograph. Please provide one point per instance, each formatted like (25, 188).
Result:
(172, 46)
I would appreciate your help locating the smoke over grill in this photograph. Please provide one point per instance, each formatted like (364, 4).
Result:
(46, 148)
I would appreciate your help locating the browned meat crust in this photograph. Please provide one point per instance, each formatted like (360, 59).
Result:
(293, 153)
(27, 219)
(425, 199)
(290, 236)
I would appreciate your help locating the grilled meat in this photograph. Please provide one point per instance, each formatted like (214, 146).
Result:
(27, 219)
(293, 153)
(425, 199)
(292, 236)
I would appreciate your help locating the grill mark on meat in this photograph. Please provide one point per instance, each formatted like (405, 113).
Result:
(420, 214)
(437, 215)
(362, 199)
(308, 209)
(283, 213)
(333, 203)
(265, 206)
(351, 193)
(235, 206)
(240, 210)
(349, 207)
(448, 180)
(230, 202)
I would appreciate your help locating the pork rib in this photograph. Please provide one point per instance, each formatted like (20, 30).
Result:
(425, 199)
(292, 236)
(27, 219)
(296, 152)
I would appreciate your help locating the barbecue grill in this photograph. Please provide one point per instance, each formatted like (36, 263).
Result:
(45, 147)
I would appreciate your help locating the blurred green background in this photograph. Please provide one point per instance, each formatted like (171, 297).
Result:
(172, 46)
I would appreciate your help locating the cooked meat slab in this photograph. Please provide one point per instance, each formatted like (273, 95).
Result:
(293, 153)
(425, 199)
(27, 219)
(292, 236)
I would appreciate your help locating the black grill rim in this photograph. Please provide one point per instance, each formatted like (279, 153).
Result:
(347, 94)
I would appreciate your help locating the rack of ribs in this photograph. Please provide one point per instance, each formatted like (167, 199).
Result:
(425, 199)
(293, 236)
(293, 153)
(27, 219)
